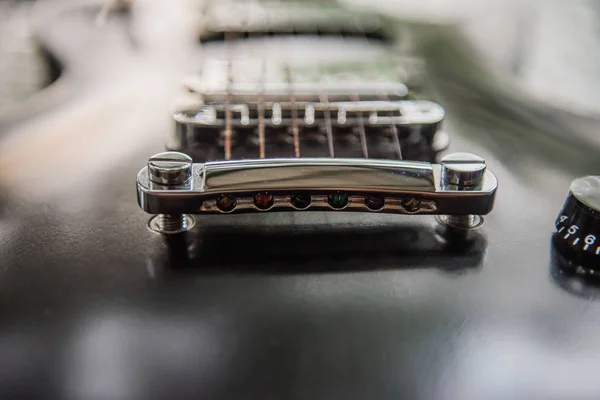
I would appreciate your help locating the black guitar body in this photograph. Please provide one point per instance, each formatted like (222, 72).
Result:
(94, 305)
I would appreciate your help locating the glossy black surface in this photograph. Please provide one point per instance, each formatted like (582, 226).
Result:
(94, 305)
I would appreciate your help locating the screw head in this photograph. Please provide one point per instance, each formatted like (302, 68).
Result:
(338, 200)
(301, 200)
(375, 203)
(226, 203)
(463, 169)
(170, 168)
(264, 200)
(411, 204)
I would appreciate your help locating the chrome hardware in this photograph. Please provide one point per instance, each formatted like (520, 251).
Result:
(463, 172)
(405, 112)
(171, 223)
(170, 169)
(324, 184)
(385, 124)
(463, 169)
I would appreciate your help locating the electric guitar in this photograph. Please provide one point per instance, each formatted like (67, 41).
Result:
(308, 232)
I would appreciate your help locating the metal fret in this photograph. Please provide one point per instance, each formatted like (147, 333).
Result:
(294, 112)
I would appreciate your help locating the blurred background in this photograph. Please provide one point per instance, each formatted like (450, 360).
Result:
(533, 65)
(529, 45)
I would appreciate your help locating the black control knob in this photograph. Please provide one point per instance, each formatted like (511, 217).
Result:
(577, 236)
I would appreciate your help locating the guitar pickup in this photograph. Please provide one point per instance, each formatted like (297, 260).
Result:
(171, 184)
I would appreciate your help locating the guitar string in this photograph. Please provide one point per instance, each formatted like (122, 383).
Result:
(228, 114)
(292, 101)
(361, 127)
(261, 110)
(361, 121)
(393, 126)
(294, 111)
(260, 104)
(395, 136)
(323, 98)
(394, 129)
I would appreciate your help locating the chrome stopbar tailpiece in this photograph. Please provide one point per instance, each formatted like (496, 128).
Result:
(460, 188)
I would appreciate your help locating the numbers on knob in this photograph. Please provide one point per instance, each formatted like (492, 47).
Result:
(590, 239)
(577, 235)
(571, 231)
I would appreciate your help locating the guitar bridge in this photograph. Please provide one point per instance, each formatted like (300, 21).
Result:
(292, 146)
(293, 120)
(172, 185)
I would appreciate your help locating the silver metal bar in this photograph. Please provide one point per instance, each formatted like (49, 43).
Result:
(408, 187)
(316, 173)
